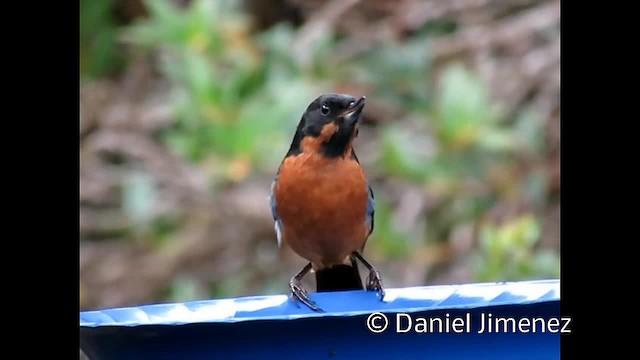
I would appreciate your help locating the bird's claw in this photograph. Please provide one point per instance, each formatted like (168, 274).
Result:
(374, 282)
(299, 293)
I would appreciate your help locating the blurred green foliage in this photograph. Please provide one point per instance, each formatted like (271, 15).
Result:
(507, 252)
(138, 195)
(389, 240)
(233, 98)
(236, 96)
(397, 73)
(472, 166)
(98, 37)
(146, 224)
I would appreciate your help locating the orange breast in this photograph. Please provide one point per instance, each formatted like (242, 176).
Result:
(322, 204)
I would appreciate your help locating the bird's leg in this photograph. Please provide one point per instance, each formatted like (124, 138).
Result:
(374, 281)
(298, 292)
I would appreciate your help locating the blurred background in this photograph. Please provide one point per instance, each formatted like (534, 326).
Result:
(188, 107)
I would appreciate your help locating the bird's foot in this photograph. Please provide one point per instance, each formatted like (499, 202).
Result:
(299, 293)
(374, 282)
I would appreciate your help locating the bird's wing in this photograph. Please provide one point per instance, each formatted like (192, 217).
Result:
(371, 203)
(278, 223)
(371, 209)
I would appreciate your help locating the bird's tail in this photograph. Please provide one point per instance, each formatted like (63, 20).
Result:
(339, 278)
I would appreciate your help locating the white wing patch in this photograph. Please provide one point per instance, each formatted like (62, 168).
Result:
(278, 223)
(277, 227)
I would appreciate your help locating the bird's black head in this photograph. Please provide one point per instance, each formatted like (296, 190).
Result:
(328, 126)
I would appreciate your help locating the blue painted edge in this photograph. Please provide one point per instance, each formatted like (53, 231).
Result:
(346, 303)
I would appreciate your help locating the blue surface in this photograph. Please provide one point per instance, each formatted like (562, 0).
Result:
(273, 326)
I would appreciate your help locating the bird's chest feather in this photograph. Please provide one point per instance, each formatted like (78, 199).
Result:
(321, 187)
(323, 200)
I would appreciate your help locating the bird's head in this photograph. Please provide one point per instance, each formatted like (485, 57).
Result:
(329, 125)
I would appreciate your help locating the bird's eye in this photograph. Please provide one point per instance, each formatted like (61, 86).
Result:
(325, 109)
(352, 103)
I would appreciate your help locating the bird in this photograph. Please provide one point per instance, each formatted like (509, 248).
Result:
(322, 204)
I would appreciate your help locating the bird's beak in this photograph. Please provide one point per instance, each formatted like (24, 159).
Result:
(352, 114)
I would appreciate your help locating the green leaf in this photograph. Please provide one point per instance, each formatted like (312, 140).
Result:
(139, 195)
(399, 156)
(494, 139)
(98, 52)
(508, 250)
(530, 132)
(546, 263)
(386, 236)
(199, 78)
(463, 107)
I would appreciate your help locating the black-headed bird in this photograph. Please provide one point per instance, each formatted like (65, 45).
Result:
(322, 204)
